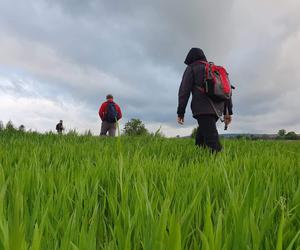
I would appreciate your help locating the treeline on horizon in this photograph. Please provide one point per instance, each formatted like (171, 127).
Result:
(135, 127)
(281, 135)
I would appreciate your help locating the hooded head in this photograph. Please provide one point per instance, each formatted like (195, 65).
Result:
(195, 54)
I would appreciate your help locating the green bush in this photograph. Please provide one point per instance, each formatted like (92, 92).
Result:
(135, 127)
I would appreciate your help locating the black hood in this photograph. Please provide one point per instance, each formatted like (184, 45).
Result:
(195, 54)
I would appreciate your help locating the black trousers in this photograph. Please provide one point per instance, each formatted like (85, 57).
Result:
(207, 134)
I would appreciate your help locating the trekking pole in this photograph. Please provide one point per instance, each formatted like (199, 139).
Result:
(226, 126)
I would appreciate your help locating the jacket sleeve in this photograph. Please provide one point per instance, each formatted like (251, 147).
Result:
(102, 111)
(228, 107)
(119, 116)
(185, 91)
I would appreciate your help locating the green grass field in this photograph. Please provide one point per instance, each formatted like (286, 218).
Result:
(68, 192)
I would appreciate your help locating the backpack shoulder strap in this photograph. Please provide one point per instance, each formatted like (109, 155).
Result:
(214, 108)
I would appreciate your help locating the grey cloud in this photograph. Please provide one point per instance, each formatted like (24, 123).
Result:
(141, 46)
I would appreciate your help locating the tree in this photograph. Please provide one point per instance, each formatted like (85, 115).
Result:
(10, 126)
(281, 133)
(135, 127)
(291, 136)
(1, 126)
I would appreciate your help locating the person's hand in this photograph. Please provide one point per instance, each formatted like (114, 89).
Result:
(227, 119)
(180, 120)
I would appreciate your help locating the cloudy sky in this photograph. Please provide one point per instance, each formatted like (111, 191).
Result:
(59, 59)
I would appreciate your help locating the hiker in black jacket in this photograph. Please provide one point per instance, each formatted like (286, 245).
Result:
(60, 127)
(203, 110)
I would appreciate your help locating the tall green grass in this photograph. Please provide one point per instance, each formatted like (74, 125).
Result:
(68, 192)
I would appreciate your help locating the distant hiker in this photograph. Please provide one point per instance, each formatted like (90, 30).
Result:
(208, 104)
(60, 127)
(109, 113)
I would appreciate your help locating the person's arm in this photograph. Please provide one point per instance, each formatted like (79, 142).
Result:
(102, 111)
(119, 112)
(227, 112)
(184, 93)
(228, 107)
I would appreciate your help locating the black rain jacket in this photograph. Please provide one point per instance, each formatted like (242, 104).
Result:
(192, 80)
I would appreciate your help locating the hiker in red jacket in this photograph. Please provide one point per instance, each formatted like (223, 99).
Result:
(109, 113)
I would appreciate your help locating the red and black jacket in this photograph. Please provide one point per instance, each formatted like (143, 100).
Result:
(103, 107)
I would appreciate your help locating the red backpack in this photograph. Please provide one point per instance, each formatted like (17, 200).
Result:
(216, 82)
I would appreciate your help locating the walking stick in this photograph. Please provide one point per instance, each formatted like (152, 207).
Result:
(226, 126)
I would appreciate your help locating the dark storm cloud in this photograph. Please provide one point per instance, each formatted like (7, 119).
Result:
(160, 31)
(133, 41)
(136, 49)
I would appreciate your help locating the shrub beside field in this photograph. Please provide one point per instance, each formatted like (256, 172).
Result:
(69, 192)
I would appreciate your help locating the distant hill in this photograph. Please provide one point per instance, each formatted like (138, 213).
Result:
(243, 135)
(250, 136)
